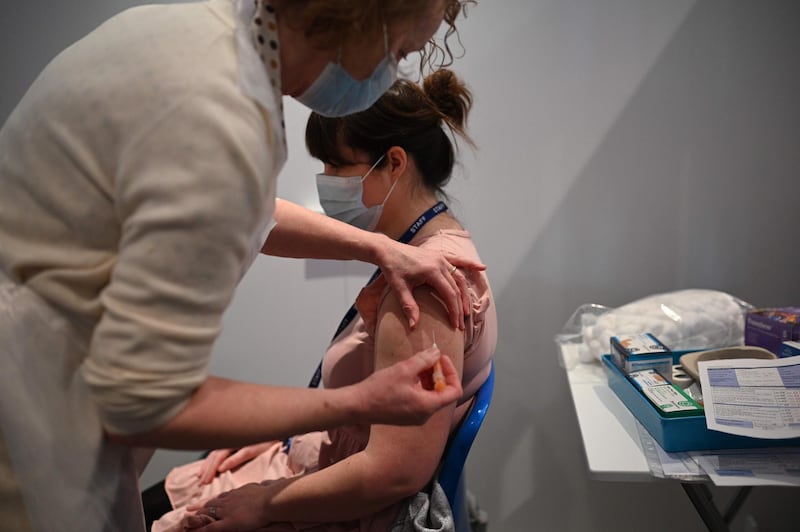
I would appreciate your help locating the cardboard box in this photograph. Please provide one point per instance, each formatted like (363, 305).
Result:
(636, 352)
(670, 400)
(770, 327)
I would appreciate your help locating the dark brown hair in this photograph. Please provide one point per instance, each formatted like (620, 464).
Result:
(328, 23)
(421, 120)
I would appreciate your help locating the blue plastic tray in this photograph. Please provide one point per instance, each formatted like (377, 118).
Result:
(687, 433)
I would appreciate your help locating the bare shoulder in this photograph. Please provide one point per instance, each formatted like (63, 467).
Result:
(394, 340)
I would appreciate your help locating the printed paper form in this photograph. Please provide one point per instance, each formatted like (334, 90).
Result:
(756, 398)
(751, 467)
(662, 464)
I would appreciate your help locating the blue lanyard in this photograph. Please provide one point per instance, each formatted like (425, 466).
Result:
(405, 238)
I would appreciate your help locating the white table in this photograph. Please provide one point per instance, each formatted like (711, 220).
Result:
(608, 429)
(611, 440)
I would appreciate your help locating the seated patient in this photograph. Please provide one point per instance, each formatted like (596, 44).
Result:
(384, 168)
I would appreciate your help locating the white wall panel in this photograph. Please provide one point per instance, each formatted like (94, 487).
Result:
(625, 147)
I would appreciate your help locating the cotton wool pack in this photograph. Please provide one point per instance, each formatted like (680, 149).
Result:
(684, 319)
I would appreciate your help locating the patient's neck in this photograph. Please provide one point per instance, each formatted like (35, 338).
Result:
(398, 215)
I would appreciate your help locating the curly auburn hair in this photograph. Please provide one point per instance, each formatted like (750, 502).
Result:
(329, 22)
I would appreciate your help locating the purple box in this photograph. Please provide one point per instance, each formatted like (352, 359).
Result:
(770, 327)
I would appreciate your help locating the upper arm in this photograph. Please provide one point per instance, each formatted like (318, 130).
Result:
(414, 450)
(190, 195)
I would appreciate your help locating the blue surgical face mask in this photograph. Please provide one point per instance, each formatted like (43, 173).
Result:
(335, 92)
(341, 198)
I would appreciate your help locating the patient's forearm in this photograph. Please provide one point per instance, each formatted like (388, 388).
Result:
(397, 463)
(353, 488)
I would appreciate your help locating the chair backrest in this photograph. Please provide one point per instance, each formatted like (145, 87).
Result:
(451, 474)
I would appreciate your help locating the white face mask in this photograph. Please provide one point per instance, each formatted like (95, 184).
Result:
(341, 199)
(335, 92)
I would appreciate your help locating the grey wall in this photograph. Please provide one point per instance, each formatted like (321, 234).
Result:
(626, 147)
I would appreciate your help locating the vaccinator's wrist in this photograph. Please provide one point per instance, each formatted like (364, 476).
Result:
(351, 405)
(379, 248)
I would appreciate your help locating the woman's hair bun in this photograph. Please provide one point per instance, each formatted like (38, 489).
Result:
(449, 95)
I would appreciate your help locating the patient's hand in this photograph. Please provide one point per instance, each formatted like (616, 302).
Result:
(211, 464)
(242, 509)
(222, 460)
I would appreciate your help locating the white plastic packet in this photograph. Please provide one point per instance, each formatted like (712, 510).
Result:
(685, 319)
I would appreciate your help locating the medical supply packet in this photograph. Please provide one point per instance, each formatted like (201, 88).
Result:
(636, 352)
(769, 327)
(684, 320)
(668, 398)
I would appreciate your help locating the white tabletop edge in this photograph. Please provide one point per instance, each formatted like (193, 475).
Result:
(608, 429)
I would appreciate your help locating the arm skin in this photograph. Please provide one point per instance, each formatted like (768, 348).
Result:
(331, 238)
(225, 413)
(397, 461)
(301, 233)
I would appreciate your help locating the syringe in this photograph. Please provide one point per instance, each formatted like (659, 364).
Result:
(438, 375)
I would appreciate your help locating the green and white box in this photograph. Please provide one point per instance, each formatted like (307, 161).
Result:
(668, 398)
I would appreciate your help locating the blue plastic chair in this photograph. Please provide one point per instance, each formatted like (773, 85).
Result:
(451, 474)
